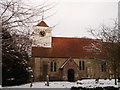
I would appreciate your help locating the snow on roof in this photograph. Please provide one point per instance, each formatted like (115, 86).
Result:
(64, 63)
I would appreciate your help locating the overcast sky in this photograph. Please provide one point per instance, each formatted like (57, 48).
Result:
(74, 17)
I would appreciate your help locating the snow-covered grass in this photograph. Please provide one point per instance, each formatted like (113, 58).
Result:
(101, 83)
(88, 83)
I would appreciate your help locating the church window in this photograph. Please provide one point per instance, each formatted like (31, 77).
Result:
(81, 65)
(103, 67)
(53, 66)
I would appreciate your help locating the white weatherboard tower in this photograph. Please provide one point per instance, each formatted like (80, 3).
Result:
(119, 14)
(119, 20)
(42, 35)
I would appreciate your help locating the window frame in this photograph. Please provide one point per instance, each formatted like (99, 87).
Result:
(53, 66)
(81, 65)
(104, 67)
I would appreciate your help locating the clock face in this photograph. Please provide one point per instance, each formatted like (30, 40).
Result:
(42, 33)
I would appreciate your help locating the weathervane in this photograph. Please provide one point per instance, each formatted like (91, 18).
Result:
(43, 15)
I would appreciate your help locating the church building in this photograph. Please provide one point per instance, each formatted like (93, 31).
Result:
(64, 58)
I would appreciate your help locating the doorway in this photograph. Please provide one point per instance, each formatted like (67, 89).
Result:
(71, 75)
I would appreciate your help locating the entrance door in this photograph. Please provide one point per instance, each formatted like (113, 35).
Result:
(71, 75)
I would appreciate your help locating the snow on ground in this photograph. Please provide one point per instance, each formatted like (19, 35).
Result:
(62, 84)
(102, 83)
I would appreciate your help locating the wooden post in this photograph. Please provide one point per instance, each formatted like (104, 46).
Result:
(96, 80)
(30, 83)
(47, 80)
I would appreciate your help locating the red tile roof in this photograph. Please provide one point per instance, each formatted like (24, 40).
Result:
(66, 47)
(43, 24)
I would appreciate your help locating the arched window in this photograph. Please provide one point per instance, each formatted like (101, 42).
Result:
(81, 65)
(53, 66)
(103, 67)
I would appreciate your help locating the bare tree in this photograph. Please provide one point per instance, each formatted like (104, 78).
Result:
(108, 45)
(18, 18)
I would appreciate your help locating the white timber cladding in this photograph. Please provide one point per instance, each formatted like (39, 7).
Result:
(119, 15)
(42, 41)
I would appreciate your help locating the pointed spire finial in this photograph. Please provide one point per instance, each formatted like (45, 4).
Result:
(43, 15)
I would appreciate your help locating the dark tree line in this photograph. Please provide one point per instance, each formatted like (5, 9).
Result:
(14, 63)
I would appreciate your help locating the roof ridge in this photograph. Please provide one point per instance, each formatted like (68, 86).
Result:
(74, 38)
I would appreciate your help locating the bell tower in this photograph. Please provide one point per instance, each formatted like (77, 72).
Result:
(42, 35)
